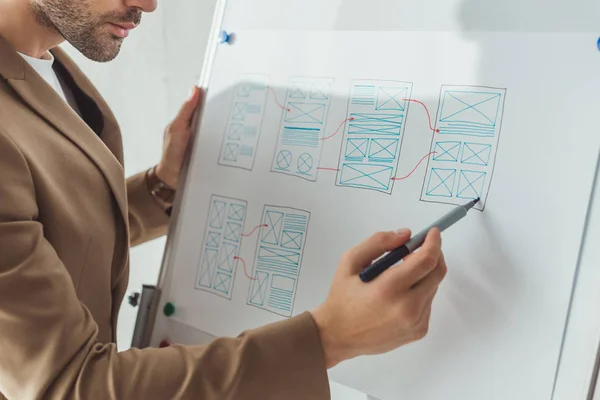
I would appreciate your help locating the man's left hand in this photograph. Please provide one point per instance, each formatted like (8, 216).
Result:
(177, 139)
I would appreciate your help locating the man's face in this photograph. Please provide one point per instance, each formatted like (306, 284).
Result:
(96, 28)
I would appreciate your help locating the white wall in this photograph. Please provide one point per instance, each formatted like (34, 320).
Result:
(145, 86)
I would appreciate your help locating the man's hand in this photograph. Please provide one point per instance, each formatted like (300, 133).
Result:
(177, 139)
(394, 309)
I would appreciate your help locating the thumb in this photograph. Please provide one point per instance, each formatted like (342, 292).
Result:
(186, 113)
(360, 257)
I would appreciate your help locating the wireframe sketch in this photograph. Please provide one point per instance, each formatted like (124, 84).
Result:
(373, 136)
(243, 127)
(469, 120)
(222, 238)
(299, 144)
(278, 259)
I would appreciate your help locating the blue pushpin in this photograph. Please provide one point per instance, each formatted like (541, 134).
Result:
(598, 44)
(224, 37)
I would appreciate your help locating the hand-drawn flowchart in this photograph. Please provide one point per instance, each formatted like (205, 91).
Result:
(222, 238)
(299, 144)
(245, 121)
(460, 166)
(278, 259)
(371, 145)
(464, 145)
(278, 256)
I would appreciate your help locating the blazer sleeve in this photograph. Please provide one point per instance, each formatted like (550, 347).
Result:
(48, 339)
(147, 220)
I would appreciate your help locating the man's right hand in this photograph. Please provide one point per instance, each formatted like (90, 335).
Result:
(394, 309)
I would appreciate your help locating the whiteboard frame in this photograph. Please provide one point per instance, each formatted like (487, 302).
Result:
(586, 285)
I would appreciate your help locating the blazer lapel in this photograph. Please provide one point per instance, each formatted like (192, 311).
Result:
(107, 154)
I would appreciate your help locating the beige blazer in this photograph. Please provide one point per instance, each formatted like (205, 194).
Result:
(67, 219)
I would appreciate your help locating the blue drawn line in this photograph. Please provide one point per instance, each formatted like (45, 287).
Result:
(363, 95)
(302, 137)
(261, 266)
(304, 163)
(476, 154)
(468, 109)
(295, 222)
(376, 124)
(294, 227)
(313, 113)
(217, 214)
(467, 128)
(391, 98)
(385, 149)
(278, 263)
(246, 151)
(273, 220)
(276, 266)
(282, 295)
(285, 299)
(469, 124)
(447, 151)
(279, 256)
(470, 185)
(320, 91)
(291, 240)
(280, 303)
(363, 102)
(259, 288)
(284, 159)
(356, 148)
(222, 282)
(209, 266)
(281, 307)
(236, 212)
(298, 89)
(455, 132)
(231, 152)
(381, 160)
(369, 176)
(439, 182)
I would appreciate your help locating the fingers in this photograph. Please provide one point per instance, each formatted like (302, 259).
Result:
(186, 113)
(361, 256)
(428, 286)
(418, 265)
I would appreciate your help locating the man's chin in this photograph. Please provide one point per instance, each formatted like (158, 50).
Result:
(103, 52)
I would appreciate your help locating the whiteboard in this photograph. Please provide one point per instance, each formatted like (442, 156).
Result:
(497, 289)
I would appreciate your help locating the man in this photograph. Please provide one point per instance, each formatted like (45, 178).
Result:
(67, 218)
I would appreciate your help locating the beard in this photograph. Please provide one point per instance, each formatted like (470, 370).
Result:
(75, 21)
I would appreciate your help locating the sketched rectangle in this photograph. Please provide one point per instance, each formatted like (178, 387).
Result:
(392, 98)
(356, 149)
(441, 182)
(306, 113)
(258, 289)
(471, 184)
(282, 262)
(375, 124)
(271, 230)
(383, 150)
(291, 240)
(219, 252)
(476, 154)
(369, 176)
(207, 268)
